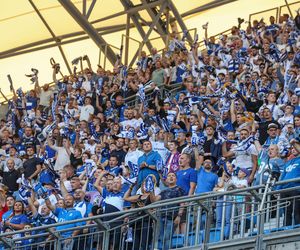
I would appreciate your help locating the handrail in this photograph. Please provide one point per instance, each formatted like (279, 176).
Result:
(183, 199)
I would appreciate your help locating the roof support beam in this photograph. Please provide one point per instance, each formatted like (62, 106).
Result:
(74, 40)
(160, 24)
(205, 7)
(84, 7)
(179, 20)
(76, 36)
(131, 10)
(146, 37)
(135, 19)
(53, 35)
(89, 12)
(89, 29)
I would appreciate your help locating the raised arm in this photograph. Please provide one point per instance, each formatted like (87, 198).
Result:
(32, 206)
(54, 75)
(63, 189)
(87, 59)
(97, 182)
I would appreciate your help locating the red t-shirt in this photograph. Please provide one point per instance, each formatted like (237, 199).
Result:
(2, 211)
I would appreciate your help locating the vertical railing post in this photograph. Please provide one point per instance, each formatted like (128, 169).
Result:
(208, 219)
(223, 217)
(198, 223)
(106, 240)
(252, 214)
(232, 219)
(278, 211)
(243, 218)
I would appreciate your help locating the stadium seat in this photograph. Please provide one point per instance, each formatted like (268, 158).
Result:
(178, 241)
(192, 238)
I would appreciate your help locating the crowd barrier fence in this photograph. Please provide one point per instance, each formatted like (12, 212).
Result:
(247, 215)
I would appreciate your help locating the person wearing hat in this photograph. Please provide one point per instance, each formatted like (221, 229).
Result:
(288, 116)
(240, 181)
(262, 127)
(274, 137)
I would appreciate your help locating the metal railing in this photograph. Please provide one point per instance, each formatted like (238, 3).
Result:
(208, 221)
(276, 11)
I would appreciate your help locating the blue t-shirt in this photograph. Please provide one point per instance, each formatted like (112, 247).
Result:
(151, 159)
(291, 171)
(50, 153)
(85, 208)
(31, 102)
(114, 202)
(19, 219)
(206, 181)
(227, 125)
(275, 164)
(67, 215)
(185, 177)
(115, 170)
(7, 214)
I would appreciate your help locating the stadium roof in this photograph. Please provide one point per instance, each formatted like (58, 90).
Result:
(33, 31)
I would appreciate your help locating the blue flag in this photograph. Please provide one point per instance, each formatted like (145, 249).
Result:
(149, 184)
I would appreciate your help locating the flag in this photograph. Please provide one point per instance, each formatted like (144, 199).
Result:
(90, 168)
(149, 184)
(11, 87)
(124, 72)
(141, 93)
(143, 131)
(20, 92)
(99, 85)
(134, 169)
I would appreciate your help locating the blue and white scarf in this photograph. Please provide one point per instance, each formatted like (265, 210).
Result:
(53, 107)
(244, 144)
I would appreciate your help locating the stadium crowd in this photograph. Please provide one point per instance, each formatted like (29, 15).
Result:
(76, 149)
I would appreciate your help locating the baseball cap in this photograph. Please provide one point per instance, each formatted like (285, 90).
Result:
(273, 125)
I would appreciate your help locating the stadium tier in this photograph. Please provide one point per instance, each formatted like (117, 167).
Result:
(194, 146)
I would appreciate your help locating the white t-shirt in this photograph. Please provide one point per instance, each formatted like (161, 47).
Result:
(276, 111)
(156, 191)
(45, 97)
(239, 183)
(73, 112)
(286, 120)
(52, 199)
(134, 123)
(87, 86)
(85, 112)
(133, 156)
(160, 148)
(244, 159)
(89, 147)
(62, 159)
